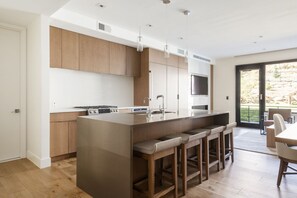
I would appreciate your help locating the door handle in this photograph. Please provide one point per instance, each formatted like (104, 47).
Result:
(261, 96)
(16, 111)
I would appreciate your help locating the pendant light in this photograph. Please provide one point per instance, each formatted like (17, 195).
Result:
(187, 13)
(139, 42)
(166, 47)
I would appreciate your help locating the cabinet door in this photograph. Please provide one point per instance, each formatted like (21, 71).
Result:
(72, 136)
(157, 56)
(101, 56)
(117, 59)
(70, 50)
(86, 53)
(133, 62)
(58, 138)
(172, 88)
(172, 60)
(55, 47)
(157, 84)
(183, 88)
(182, 63)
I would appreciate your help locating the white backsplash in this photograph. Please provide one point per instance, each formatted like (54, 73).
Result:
(69, 88)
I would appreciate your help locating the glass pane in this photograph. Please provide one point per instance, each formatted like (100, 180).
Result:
(249, 96)
(281, 86)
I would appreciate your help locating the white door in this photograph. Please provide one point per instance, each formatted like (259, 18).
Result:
(157, 84)
(172, 88)
(10, 62)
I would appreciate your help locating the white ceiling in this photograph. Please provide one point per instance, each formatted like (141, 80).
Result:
(217, 28)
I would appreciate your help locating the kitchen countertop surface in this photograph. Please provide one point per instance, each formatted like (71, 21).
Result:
(133, 119)
(67, 110)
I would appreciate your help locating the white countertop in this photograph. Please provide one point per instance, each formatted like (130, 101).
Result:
(66, 110)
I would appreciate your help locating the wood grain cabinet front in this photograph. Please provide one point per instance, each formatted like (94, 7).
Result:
(58, 138)
(63, 128)
(70, 50)
(132, 62)
(117, 59)
(55, 47)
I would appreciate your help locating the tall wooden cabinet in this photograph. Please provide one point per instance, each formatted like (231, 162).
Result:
(158, 75)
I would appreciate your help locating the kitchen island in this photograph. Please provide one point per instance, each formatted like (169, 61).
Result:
(105, 164)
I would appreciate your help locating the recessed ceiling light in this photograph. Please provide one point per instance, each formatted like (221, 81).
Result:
(255, 42)
(260, 36)
(180, 38)
(100, 5)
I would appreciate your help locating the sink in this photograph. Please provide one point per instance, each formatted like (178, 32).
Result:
(153, 112)
(159, 112)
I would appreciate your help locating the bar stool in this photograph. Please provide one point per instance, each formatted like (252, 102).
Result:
(230, 150)
(214, 134)
(153, 150)
(190, 141)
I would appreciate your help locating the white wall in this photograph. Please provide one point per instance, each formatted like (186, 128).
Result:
(203, 69)
(69, 88)
(224, 76)
(38, 91)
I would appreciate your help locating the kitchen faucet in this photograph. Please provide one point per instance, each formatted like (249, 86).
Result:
(163, 108)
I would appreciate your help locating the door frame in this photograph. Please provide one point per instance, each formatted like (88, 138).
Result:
(261, 68)
(23, 85)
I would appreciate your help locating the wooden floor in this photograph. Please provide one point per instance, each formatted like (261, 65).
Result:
(252, 175)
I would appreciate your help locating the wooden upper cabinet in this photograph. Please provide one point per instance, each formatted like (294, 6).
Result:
(182, 63)
(101, 56)
(70, 50)
(172, 60)
(132, 62)
(55, 47)
(157, 56)
(117, 59)
(86, 53)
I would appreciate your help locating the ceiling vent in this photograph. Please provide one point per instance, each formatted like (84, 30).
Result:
(181, 51)
(103, 27)
(201, 58)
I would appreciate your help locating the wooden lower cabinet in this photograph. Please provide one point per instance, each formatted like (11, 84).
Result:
(63, 128)
(59, 138)
(72, 129)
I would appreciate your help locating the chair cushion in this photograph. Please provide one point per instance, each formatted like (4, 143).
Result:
(215, 128)
(154, 146)
(199, 133)
(184, 137)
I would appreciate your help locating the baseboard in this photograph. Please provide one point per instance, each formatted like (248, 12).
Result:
(41, 163)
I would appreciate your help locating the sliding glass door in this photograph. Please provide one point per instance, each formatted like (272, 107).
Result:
(250, 94)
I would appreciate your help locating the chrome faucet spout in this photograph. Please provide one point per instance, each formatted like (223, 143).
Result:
(163, 108)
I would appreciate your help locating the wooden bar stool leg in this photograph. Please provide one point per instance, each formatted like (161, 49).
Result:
(218, 153)
(174, 172)
(232, 146)
(151, 176)
(223, 146)
(184, 167)
(206, 155)
(199, 160)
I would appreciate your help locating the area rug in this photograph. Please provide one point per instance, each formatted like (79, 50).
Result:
(251, 140)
